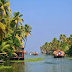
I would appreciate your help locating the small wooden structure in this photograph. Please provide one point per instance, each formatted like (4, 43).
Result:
(58, 53)
(20, 55)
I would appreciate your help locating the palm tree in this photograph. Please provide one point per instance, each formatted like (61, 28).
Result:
(27, 32)
(4, 47)
(17, 18)
(7, 22)
(4, 8)
(63, 37)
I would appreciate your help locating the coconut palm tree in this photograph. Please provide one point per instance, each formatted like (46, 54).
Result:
(7, 22)
(63, 37)
(27, 30)
(17, 18)
(4, 8)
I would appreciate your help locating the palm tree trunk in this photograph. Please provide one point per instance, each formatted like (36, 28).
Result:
(17, 25)
(25, 42)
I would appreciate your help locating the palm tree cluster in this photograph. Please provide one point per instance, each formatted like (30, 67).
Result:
(63, 43)
(12, 32)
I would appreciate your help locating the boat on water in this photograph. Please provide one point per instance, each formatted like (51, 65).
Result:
(35, 53)
(58, 53)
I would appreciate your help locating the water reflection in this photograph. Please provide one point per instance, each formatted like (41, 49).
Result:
(50, 64)
(18, 67)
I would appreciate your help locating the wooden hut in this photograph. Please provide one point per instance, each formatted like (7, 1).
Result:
(20, 54)
(58, 53)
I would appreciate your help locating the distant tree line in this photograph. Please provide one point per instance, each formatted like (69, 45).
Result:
(63, 43)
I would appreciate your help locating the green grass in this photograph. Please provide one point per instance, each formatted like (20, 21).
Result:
(34, 59)
(17, 61)
(28, 60)
(70, 58)
(5, 67)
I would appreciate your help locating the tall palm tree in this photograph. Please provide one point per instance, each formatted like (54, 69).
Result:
(17, 18)
(27, 30)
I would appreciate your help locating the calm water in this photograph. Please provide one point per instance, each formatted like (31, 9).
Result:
(49, 64)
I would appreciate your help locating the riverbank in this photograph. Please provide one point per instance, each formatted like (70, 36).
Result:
(28, 60)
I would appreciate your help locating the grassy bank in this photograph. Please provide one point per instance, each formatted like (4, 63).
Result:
(5, 67)
(34, 59)
(17, 61)
(28, 60)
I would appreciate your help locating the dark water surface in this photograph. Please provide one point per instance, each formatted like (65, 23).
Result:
(49, 64)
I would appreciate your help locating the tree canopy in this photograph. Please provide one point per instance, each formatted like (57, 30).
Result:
(63, 43)
(12, 32)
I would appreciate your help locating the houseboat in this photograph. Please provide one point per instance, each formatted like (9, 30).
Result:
(35, 53)
(58, 53)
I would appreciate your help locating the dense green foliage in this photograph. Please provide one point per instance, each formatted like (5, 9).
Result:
(12, 32)
(63, 43)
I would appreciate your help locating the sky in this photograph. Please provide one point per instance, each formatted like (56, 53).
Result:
(48, 19)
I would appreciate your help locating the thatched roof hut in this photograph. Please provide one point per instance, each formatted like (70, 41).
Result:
(59, 53)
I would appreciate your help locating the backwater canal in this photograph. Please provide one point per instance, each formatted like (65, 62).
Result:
(49, 64)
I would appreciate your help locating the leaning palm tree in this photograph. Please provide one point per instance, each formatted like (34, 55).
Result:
(17, 18)
(27, 32)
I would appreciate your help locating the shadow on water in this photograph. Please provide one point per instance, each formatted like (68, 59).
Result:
(50, 63)
(15, 67)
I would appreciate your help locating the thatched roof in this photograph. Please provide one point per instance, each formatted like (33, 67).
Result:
(22, 51)
(21, 46)
(58, 50)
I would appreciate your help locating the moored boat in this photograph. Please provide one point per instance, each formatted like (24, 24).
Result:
(58, 53)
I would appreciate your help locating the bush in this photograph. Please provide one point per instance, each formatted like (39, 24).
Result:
(70, 51)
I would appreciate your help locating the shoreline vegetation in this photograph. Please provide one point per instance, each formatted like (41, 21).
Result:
(13, 34)
(64, 43)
